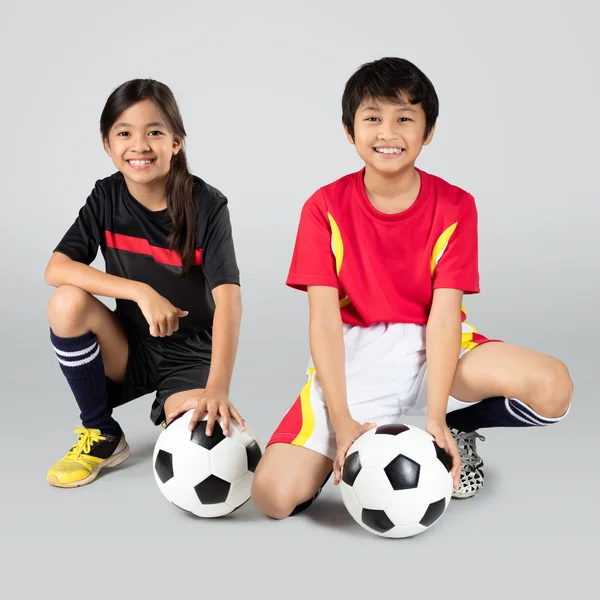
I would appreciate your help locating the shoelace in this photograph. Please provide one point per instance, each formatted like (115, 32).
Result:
(87, 438)
(466, 447)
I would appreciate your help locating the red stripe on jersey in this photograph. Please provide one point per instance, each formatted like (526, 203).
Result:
(164, 256)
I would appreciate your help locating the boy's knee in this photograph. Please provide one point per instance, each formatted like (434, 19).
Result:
(66, 307)
(272, 498)
(555, 390)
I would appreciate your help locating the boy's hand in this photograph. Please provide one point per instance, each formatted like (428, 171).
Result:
(443, 438)
(346, 434)
(213, 403)
(161, 315)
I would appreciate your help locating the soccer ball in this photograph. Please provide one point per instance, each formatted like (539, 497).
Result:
(209, 476)
(396, 481)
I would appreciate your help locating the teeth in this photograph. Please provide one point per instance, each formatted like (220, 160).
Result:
(389, 150)
(139, 163)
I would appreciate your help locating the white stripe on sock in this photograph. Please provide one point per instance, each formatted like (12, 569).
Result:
(77, 352)
(529, 415)
(79, 363)
(515, 415)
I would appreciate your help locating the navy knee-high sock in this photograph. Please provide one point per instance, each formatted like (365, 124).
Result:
(497, 412)
(81, 362)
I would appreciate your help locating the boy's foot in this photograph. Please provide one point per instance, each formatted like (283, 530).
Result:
(93, 451)
(471, 472)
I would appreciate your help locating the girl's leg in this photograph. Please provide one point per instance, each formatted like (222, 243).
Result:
(90, 344)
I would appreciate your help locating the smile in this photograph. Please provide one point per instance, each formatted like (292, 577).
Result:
(395, 151)
(140, 164)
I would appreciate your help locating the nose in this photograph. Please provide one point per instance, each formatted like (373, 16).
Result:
(386, 132)
(140, 143)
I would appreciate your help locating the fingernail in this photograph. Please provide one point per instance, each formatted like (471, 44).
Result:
(226, 431)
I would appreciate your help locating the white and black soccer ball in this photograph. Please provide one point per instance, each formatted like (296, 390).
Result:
(209, 476)
(396, 481)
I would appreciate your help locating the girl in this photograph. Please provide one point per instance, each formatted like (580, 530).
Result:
(166, 239)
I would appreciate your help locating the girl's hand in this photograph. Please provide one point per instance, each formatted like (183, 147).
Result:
(346, 434)
(443, 438)
(161, 315)
(213, 403)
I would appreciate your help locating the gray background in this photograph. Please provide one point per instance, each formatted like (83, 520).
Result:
(259, 85)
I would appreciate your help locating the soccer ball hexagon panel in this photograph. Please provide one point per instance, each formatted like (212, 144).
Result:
(208, 476)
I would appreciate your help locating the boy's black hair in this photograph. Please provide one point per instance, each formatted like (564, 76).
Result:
(391, 78)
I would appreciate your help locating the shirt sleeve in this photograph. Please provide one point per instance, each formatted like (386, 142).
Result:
(313, 261)
(458, 266)
(218, 254)
(86, 234)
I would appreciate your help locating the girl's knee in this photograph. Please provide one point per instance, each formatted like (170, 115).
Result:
(67, 308)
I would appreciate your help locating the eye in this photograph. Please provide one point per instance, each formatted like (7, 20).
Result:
(122, 133)
(371, 118)
(405, 119)
(155, 132)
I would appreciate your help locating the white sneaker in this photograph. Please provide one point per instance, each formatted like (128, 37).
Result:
(471, 473)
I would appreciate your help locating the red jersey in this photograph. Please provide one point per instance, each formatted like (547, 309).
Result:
(386, 266)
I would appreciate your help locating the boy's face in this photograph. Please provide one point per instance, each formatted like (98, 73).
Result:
(141, 145)
(389, 136)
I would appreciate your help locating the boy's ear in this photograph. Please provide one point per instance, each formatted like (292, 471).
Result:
(350, 138)
(430, 136)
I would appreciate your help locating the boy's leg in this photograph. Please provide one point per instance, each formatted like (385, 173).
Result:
(502, 385)
(299, 457)
(511, 386)
(288, 479)
(90, 345)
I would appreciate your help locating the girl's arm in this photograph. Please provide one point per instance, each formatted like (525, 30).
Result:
(162, 317)
(61, 270)
(225, 336)
(214, 399)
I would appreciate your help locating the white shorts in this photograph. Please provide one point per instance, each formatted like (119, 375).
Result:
(386, 378)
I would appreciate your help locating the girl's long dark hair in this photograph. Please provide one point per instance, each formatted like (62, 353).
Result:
(180, 202)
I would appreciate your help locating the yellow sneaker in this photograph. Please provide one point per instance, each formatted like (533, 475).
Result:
(93, 451)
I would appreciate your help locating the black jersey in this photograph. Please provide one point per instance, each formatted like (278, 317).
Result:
(133, 242)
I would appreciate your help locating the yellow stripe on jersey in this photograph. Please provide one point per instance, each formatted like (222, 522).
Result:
(440, 246)
(337, 246)
(438, 250)
(308, 416)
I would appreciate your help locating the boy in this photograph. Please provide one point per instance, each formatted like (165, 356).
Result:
(386, 255)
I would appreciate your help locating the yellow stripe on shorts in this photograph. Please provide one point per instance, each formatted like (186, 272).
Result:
(308, 416)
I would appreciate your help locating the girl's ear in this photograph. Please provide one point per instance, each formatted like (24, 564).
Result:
(176, 145)
(106, 145)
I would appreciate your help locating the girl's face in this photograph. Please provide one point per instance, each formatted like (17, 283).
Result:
(141, 145)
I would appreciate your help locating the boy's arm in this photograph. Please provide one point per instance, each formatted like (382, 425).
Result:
(327, 350)
(443, 338)
(328, 354)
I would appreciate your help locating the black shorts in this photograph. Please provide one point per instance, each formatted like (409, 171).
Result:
(162, 365)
